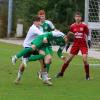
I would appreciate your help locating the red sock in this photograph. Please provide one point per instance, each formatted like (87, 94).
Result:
(64, 66)
(86, 67)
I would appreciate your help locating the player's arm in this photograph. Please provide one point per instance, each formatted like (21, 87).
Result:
(89, 39)
(67, 46)
(51, 25)
(88, 36)
(45, 38)
(59, 52)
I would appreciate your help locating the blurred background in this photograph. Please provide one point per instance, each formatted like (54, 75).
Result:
(60, 12)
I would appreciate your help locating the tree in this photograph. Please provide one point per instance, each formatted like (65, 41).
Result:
(26, 9)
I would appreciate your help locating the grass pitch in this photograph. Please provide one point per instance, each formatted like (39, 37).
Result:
(72, 86)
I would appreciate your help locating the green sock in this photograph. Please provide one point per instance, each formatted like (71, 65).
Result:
(35, 57)
(23, 52)
(47, 67)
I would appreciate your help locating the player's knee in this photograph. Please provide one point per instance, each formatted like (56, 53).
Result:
(85, 62)
(48, 59)
(41, 52)
(33, 47)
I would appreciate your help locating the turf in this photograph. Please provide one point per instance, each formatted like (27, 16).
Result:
(72, 86)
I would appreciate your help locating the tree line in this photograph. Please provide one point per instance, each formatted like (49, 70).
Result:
(60, 12)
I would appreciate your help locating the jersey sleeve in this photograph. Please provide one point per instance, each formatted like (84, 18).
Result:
(57, 33)
(59, 52)
(51, 25)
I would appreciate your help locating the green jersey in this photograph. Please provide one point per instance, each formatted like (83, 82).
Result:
(47, 26)
(54, 38)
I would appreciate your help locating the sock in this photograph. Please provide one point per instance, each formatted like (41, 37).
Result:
(86, 67)
(44, 76)
(47, 67)
(19, 74)
(65, 65)
(35, 57)
(23, 52)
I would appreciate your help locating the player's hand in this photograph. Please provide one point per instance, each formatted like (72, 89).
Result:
(67, 46)
(89, 43)
(45, 40)
(70, 36)
(63, 58)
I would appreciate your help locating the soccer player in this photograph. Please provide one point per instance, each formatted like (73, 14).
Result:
(32, 34)
(46, 26)
(81, 32)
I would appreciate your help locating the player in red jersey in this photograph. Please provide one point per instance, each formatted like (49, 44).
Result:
(81, 32)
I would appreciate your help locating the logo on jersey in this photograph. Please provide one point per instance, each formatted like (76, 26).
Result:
(81, 28)
(46, 27)
(75, 30)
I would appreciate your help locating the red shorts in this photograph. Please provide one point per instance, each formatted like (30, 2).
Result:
(82, 46)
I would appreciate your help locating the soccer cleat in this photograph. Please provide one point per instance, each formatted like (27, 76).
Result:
(49, 78)
(87, 77)
(17, 81)
(14, 59)
(39, 75)
(47, 82)
(59, 75)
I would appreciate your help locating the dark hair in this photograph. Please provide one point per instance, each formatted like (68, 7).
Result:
(78, 13)
(36, 18)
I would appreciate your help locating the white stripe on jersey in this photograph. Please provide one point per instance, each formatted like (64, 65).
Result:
(57, 33)
(50, 24)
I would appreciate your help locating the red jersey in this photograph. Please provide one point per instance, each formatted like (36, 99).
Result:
(81, 32)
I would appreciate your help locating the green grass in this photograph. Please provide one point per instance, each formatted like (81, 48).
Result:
(72, 86)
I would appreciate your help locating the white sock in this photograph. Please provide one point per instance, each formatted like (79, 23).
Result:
(15, 57)
(44, 76)
(19, 74)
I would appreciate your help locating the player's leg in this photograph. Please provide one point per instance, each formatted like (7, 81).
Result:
(48, 57)
(22, 67)
(74, 51)
(46, 65)
(35, 44)
(46, 62)
(84, 50)
(20, 72)
(65, 65)
(42, 68)
(21, 53)
(86, 66)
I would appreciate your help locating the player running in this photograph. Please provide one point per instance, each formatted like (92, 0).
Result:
(81, 32)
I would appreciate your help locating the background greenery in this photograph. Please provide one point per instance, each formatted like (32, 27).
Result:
(60, 12)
